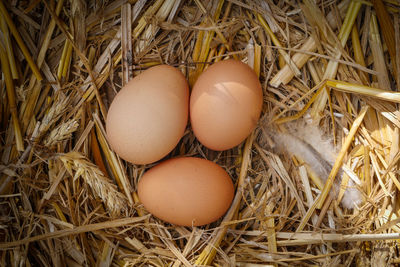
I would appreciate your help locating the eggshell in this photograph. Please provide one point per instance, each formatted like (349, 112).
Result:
(225, 104)
(148, 117)
(186, 191)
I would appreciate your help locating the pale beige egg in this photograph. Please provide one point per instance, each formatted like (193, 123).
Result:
(225, 104)
(148, 117)
(186, 191)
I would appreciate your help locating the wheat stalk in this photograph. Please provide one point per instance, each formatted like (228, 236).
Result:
(114, 200)
(54, 113)
(62, 132)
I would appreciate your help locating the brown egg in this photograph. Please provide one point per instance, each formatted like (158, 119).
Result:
(148, 117)
(186, 191)
(225, 104)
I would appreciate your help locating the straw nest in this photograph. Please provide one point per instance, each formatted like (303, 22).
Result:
(67, 200)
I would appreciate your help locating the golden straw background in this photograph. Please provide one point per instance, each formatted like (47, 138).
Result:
(66, 199)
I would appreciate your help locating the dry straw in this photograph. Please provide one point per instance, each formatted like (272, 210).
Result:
(66, 199)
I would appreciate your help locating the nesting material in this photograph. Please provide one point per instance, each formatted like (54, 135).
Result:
(316, 183)
(314, 147)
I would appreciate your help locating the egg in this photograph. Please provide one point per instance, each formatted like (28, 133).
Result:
(225, 104)
(186, 191)
(149, 115)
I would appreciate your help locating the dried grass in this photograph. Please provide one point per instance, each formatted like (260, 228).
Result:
(67, 199)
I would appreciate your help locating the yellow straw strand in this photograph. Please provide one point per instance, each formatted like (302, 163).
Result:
(62, 60)
(67, 61)
(8, 47)
(331, 69)
(276, 42)
(11, 98)
(20, 42)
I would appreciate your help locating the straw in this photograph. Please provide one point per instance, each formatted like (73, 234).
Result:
(126, 42)
(11, 97)
(331, 69)
(8, 47)
(66, 198)
(276, 42)
(327, 187)
(20, 42)
(377, 53)
(76, 230)
(387, 31)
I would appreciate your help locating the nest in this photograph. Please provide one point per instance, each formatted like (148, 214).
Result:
(68, 200)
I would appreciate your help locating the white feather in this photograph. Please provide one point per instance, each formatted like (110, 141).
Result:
(352, 196)
(307, 142)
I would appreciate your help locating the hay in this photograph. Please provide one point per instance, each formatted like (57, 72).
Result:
(67, 199)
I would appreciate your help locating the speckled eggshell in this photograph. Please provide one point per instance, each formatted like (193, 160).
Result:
(225, 104)
(148, 117)
(186, 191)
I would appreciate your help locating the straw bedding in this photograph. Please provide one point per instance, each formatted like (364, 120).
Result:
(334, 66)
